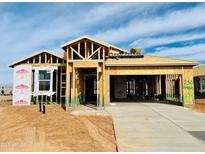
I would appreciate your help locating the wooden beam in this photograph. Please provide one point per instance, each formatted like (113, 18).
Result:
(59, 64)
(84, 64)
(85, 49)
(73, 99)
(99, 54)
(56, 85)
(60, 85)
(45, 57)
(39, 59)
(51, 59)
(94, 53)
(77, 53)
(97, 87)
(91, 48)
(103, 54)
(79, 47)
(103, 100)
(72, 54)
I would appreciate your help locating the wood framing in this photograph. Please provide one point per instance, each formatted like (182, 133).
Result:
(86, 56)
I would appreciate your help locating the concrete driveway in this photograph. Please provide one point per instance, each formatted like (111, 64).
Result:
(157, 127)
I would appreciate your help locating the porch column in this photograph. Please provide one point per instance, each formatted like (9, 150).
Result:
(73, 90)
(107, 86)
(100, 85)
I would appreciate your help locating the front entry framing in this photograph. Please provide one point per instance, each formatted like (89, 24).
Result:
(93, 57)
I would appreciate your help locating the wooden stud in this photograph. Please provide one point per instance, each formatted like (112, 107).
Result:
(97, 87)
(57, 85)
(103, 101)
(85, 49)
(73, 99)
(39, 59)
(45, 57)
(51, 59)
(94, 53)
(60, 85)
(91, 48)
(73, 50)
(79, 47)
(99, 54)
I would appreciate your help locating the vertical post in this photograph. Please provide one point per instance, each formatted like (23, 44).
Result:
(85, 49)
(166, 84)
(73, 88)
(57, 85)
(71, 53)
(74, 85)
(78, 47)
(160, 84)
(91, 47)
(99, 54)
(97, 86)
(45, 57)
(39, 59)
(51, 59)
(103, 97)
(51, 83)
(60, 85)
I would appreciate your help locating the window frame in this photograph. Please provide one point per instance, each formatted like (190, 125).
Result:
(46, 80)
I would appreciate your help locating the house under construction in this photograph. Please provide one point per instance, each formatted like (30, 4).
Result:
(95, 72)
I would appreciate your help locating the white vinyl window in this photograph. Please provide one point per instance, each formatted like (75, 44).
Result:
(44, 80)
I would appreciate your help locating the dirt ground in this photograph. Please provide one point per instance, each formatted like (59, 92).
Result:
(26, 129)
(199, 105)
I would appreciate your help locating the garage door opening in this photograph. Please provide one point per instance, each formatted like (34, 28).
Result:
(145, 88)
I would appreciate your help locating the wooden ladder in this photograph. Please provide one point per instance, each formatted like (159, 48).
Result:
(62, 85)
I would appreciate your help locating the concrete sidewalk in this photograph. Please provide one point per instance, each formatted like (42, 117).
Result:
(157, 127)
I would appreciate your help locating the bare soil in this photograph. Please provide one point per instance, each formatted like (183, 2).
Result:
(27, 129)
(198, 107)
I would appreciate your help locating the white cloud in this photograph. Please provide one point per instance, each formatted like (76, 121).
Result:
(175, 21)
(191, 52)
(155, 41)
(24, 32)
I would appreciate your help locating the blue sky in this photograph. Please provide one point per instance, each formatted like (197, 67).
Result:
(165, 29)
